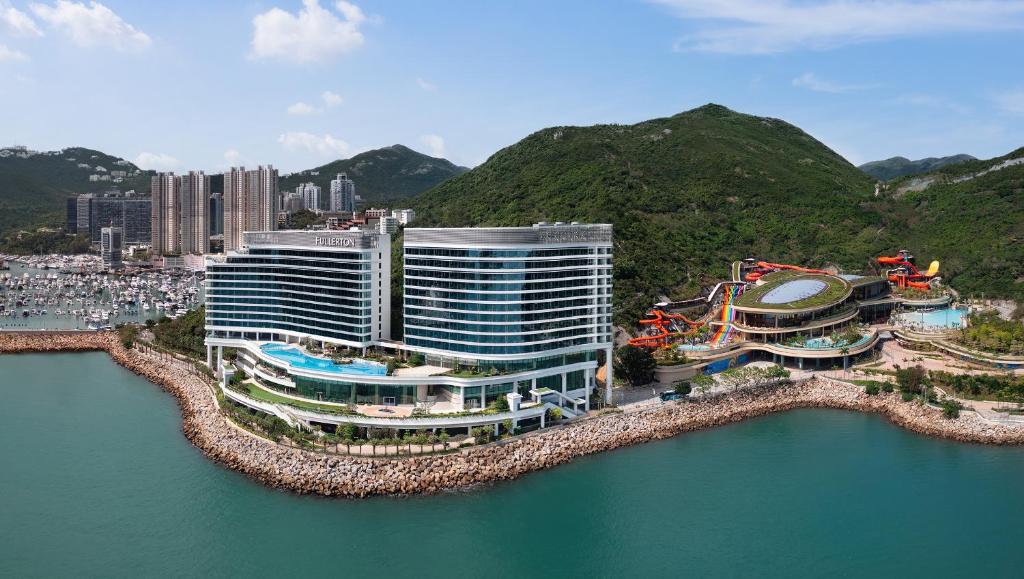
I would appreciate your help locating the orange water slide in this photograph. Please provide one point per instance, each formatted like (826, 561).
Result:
(766, 267)
(661, 321)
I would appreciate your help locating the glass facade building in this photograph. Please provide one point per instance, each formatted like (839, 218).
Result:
(332, 286)
(495, 312)
(503, 294)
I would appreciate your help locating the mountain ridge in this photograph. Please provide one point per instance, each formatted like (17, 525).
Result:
(382, 176)
(894, 167)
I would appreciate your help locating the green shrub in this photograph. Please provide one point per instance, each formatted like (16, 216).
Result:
(871, 389)
(887, 387)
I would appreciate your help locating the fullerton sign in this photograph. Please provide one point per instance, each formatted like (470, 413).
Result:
(334, 241)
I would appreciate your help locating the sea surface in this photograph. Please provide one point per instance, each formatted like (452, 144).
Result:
(97, 480)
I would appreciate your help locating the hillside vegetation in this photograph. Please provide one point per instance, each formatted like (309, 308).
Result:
(687, 194)
(382, 175)
(33, 189)
(901, 166)
(690, 193)
(970, 217)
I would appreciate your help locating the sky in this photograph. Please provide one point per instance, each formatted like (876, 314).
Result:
(194, 84)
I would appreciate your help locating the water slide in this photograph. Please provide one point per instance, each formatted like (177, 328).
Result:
(765, 267)
(905, 273)
(728, 314)
(666, 326)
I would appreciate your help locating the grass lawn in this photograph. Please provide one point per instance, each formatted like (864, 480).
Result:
(254, 391)
(835, 290)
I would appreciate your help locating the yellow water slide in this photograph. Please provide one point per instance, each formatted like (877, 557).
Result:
(932, 269)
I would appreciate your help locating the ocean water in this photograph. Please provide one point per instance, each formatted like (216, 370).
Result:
(97, 480)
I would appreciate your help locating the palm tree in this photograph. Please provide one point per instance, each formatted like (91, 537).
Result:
(845, 351)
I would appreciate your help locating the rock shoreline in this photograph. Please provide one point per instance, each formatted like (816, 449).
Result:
(333, 475)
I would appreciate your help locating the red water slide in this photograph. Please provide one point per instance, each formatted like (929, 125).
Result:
(661, 322)
(764, 267)
(905, 273)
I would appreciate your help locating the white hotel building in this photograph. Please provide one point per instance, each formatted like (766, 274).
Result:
(521, 314)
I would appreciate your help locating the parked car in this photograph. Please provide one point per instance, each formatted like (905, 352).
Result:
(669, 395)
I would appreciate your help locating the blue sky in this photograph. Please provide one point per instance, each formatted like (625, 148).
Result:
(190, 84)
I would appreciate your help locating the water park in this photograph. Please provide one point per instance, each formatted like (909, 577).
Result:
(804, 318)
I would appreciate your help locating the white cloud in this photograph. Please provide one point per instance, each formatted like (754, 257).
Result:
(156, 161)
(315, 34)
(10, 55)
(771, 26)
(92, 25)
(17, 21)
(1011, 101)
(932, 102)
(301, 109)
(234, 158)
(325, 145)
(426, 85)
(811, 82)
(331, 99)
(435, 143)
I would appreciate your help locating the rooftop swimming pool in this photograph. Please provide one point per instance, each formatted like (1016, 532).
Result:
(296, 358)
(794, 291)
(942, 318)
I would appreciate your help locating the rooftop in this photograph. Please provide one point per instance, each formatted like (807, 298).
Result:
(792, 291)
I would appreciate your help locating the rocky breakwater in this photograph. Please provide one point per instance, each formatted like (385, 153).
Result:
(311, 472)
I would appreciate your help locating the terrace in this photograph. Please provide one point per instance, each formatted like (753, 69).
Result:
(794, 291)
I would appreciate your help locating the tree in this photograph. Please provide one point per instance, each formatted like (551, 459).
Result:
(636, 365)
(443, 439)
(951, 409)
(703, 383)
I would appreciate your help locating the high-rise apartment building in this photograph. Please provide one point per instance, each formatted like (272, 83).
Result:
(343, 193)
(194, 192)
(125, 210)
(82, 205)
(111, 246)
(251, 202)
(310, 194)
(166, 215)
(217, 214)
(294, 202)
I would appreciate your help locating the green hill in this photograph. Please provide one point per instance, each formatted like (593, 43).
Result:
(687, 194)
(969, 216)
(381, 175)
(902, 166)
(34, 185)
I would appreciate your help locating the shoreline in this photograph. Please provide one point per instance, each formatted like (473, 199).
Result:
(308, 472)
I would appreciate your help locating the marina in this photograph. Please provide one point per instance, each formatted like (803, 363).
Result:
(61, 292)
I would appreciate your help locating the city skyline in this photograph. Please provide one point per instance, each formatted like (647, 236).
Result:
(341, 78)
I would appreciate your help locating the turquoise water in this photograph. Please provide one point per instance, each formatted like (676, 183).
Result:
(944, 318)
(98, 481)
(693, 347)
(298, 359)
(826, 343)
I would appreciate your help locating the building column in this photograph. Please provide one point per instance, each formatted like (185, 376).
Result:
(608, 377)
(220, 358)
(588, 379)
(565, 382)
(483, 396)
(497, 431)
(209, 356)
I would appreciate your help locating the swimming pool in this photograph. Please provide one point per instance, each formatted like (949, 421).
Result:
(693, 347)
(943, 318)
(298, 359)
(826, 343)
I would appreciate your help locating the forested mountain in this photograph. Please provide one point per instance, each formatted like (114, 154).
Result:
(689, 193)
(34, 185)
(902, 166)
(381, 175)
